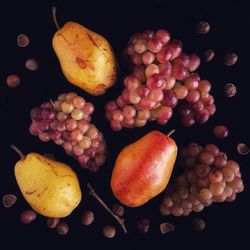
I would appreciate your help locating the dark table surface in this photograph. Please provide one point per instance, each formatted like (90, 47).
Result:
(227, 223)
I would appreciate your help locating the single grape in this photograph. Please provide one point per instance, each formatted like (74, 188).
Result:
(155, 81)
(170, 82)
(193, 96)
(140, 122)
(154, 44)
(206, 158)
(191, 82)
(213, 149)
(147, 34)
(175, 47)
(70, 96)
(116, 125)
(220, 131)
(78, 102)
(111, 106)
(143, 114)
(77, 114)
(182, 59)
(140, 46)
(179, 71)
(132, 83)
(77, 150)
(170, 98)
(204, 85)
(71, 124)
(181, 92)
(216, 188)
(164, 55)
(92, 133)
(61, 116)
(76, 135)
(165, 70)
(202, 116)
(44, 136)
(88, 108)
(206, 194)
(156, 95)
(177, 211)
(164, 35)
(148, 57)
(215, 176)
(83, 125)
(151, 69)
(194, 62)
(228, 174)
(56, 135)
(220, 161)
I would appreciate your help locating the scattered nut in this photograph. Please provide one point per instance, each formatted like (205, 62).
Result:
(28, 216)
(199, 224)
(230, 59)
(52, 222)
(203, 27)
(243, 149)
(209, 55)
(87, 217)
(230, 90)
(62, 228)
(49, 156)
(166, 227)
(13, 80)
(23, 40)
(118, 210)
(9, 200)
(109, 231)
(32, 64)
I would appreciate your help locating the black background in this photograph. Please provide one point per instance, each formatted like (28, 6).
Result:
(227, 223)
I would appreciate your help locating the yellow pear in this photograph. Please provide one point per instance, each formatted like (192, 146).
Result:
(50, 187)
(86, 58)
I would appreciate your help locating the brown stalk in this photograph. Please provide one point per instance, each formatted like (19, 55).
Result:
(98, 198)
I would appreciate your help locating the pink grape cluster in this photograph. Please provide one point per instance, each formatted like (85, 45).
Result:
(208, 177)
(162, 75)
(66, 121)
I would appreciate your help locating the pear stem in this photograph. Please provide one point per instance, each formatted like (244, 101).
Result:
(98, 198)
(18, 151)
(171, 132)
(54, 17)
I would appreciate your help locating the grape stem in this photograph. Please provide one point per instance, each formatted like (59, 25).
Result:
(98, 198)
(171, 132)
(53, 104)
(54, 17)
(19, 152)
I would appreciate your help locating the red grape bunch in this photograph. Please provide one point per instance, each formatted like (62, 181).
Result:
(66, 121)
(208, 177)
(162, 75)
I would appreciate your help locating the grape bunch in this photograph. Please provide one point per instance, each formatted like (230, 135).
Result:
(208, 177)
(66, 121)
(162, 76)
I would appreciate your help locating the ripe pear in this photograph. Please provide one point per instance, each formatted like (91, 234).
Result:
(87, 59)
(50, 187)
(143, 169)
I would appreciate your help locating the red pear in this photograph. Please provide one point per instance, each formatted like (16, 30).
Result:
(143, 169)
